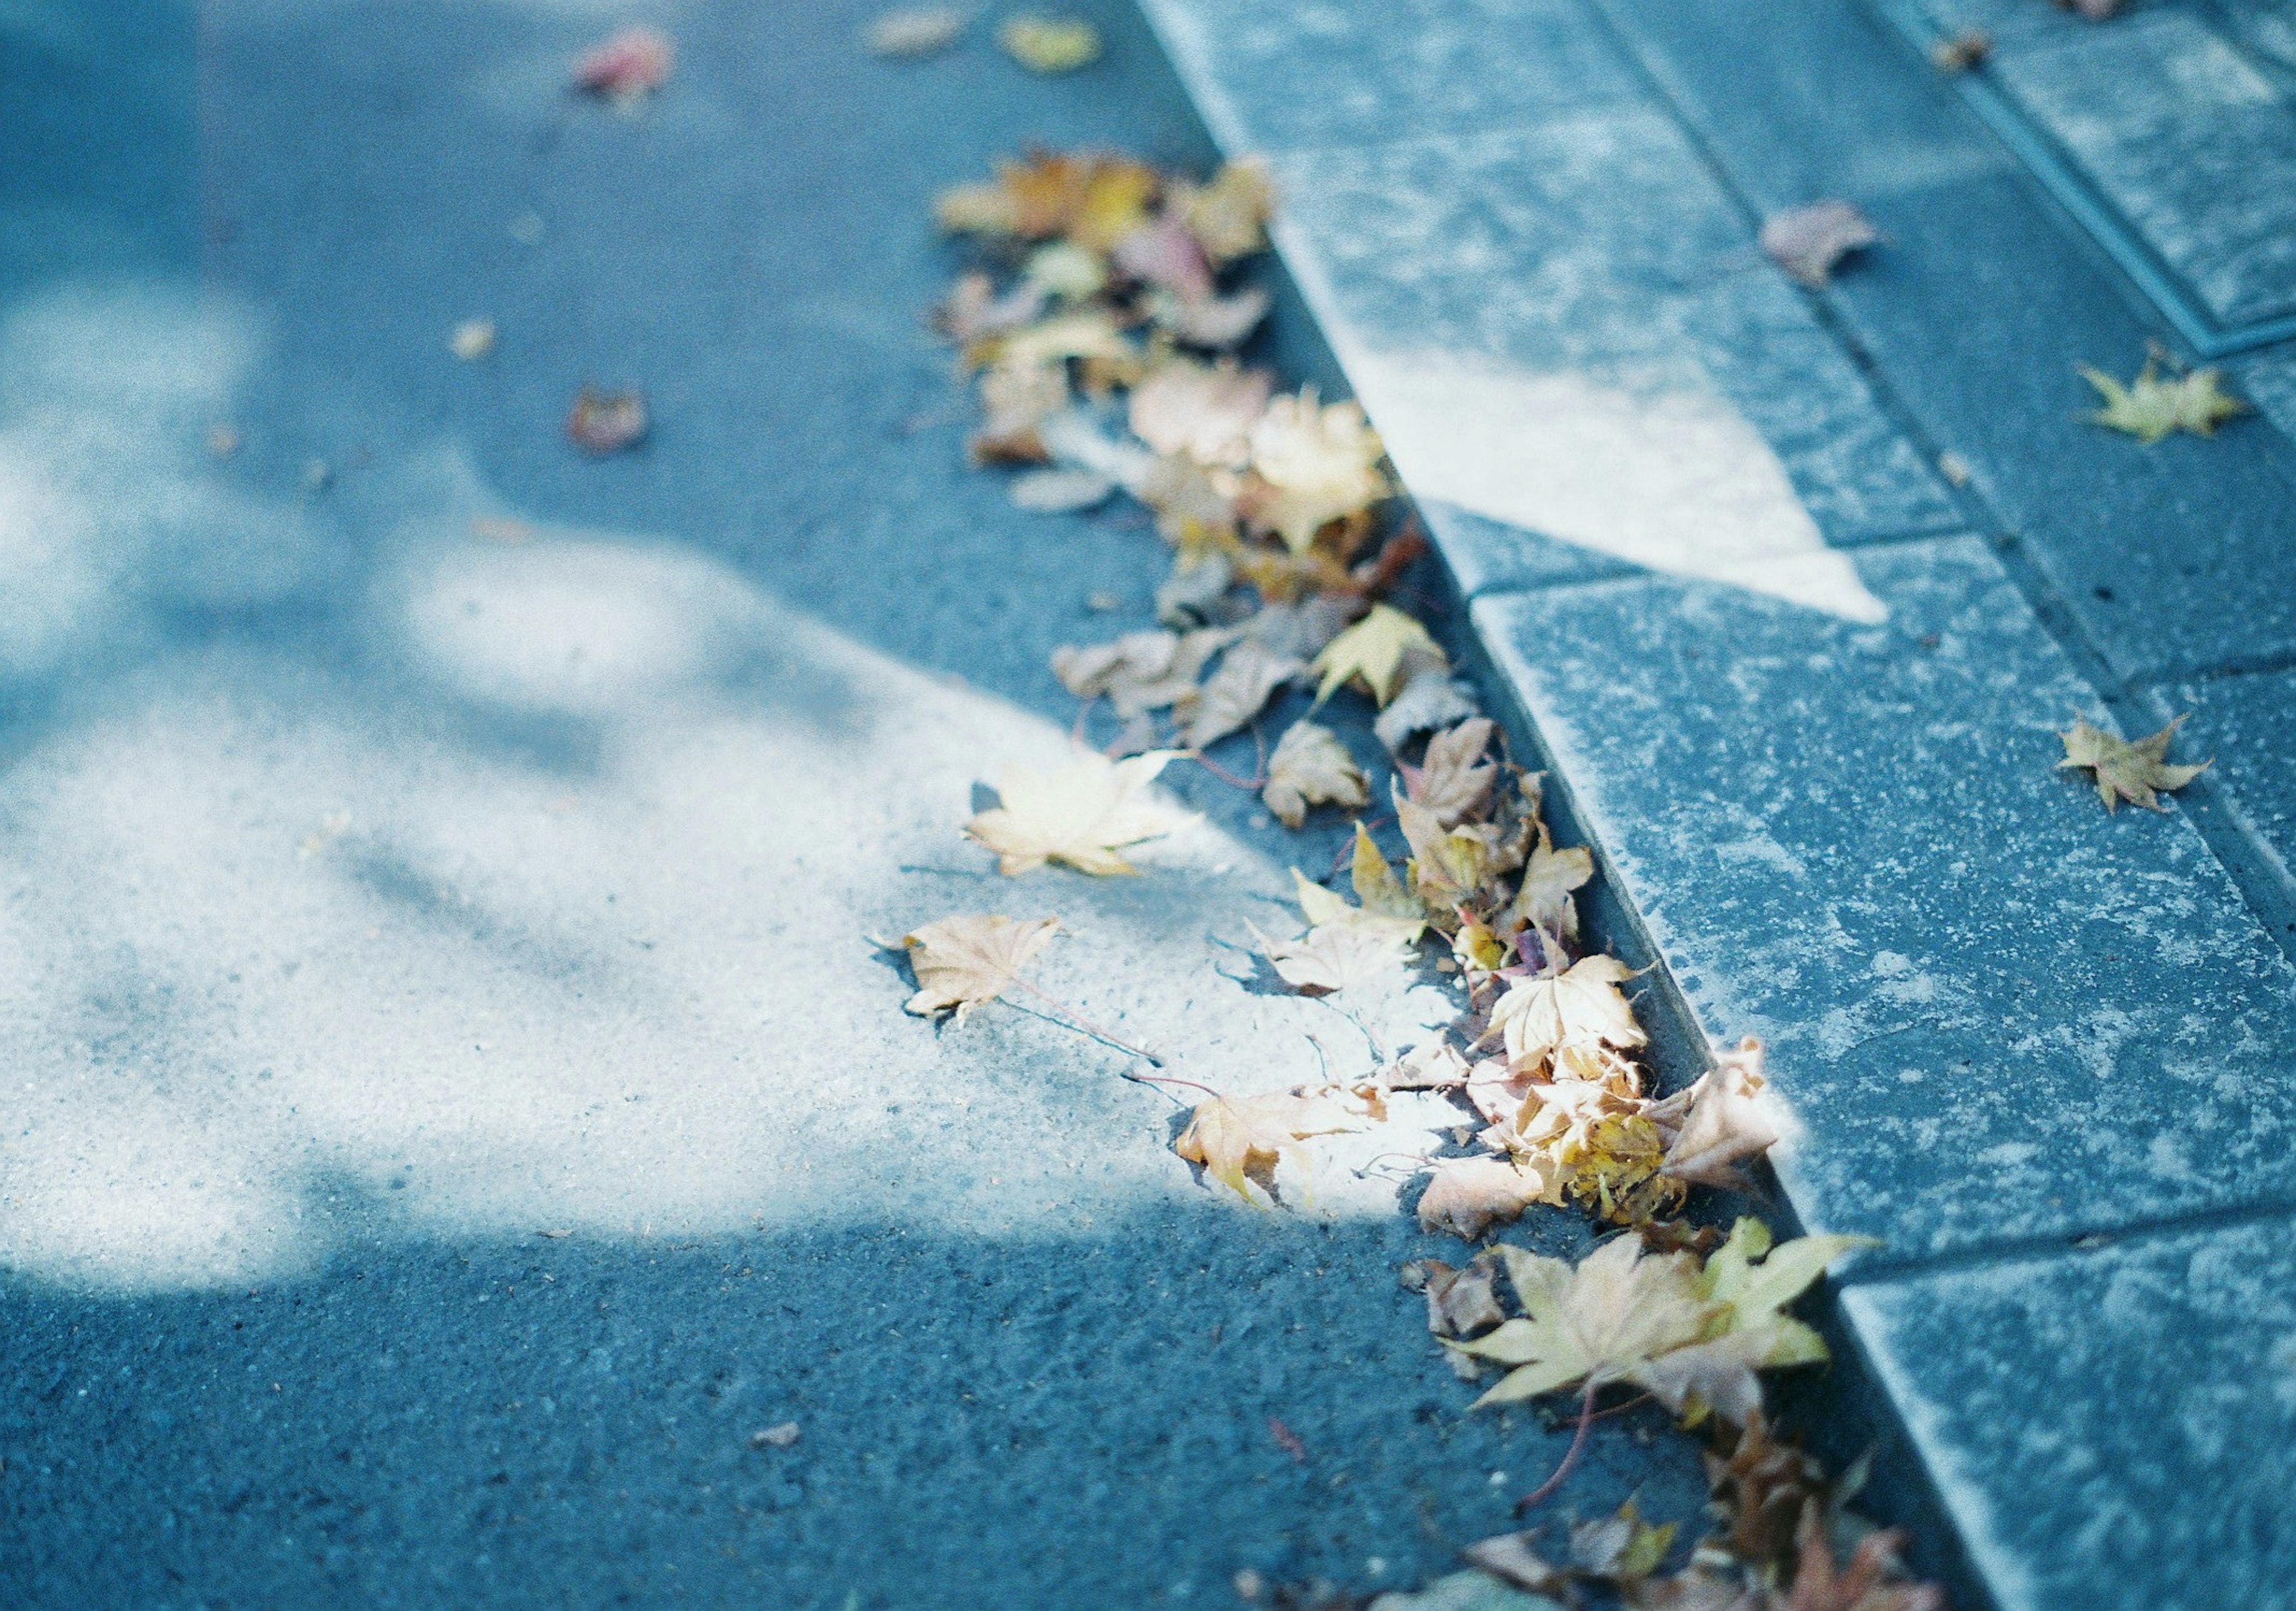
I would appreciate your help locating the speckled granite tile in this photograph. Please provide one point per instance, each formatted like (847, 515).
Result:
(1977, 311)
(2248, 723)
(1289, 75)
(2193, 145)
(2269, 382)
(2111, 1430)
(1994, 1011)
(1539, 356)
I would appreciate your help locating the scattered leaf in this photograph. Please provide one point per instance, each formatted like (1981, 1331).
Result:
(781, 1436)
(1466, 1197)
(1229, 215)
(1311, 767)
(1202, 411)
(1218, 323)
(1372, 653)
(1871, 1582)
(1620, 1548)
(1724, 1122)
(1050, 45)
(965, 962)
(1236, 694)
(1583, 1008)
(925, 31)
(473, 340)
(2153, 405)
(1320, 463)
(1429, 699)
(1140, 671)
(1544, 901)
(603, 422)
(1334, 957)
(627, 68)
(1809, 241)
(1081, 814)
(1163, 254)
(1061, 492)
(1605, 1320)
(1239, 1140)
(1452, 780)
(2126, 770)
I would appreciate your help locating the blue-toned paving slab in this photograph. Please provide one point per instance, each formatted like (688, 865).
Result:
(2248, 723)
(2112, 1430)
(1997, 1013)
(1279, 74)
(1977, 311)
(1537, 354)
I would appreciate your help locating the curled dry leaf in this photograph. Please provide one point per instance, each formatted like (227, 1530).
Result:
(1762, 1487)
(962, 962)
(2126, 770)
(1448, 865)
(925, 31)
(1466, 1197)
(1460, 1303)
(1216, 322)
(1372, 653)
(2153, 406)
(1872, 1581)
(627, 68)
(1388, 907)
(1311, 767)
(1050, 45)
(1544, 901)
(1239, 1140)
(1434, 1064)
(1809, 241)
(603, 422)
(1141, 671)
(1619, 1549)
(1081, 814)
(1236, 693)
(1722, 1119)
(1321, 463)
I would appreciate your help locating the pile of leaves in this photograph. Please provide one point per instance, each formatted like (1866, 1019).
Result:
(1097, 322)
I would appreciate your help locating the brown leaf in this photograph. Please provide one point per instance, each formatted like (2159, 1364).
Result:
(1464, 1303)
(1452, 780)
(1310, 766)
(1871, 1582)
(962, 962)
(1466, 1197)
(1761, 1490)
(2126, 770)
(1807, 242)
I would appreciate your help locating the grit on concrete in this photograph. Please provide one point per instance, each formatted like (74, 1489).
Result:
(453, 1102)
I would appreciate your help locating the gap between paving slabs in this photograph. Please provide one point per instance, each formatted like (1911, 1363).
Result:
(1099, 313)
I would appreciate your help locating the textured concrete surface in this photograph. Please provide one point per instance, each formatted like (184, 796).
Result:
(454, 1103)
(1815, 740)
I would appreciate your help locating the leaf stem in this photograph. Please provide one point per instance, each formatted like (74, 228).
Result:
(1249, 785)
(1077, 1020)
(1166, 1079)
(1545, 1490)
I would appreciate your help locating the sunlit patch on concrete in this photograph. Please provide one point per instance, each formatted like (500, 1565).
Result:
(1670, 479)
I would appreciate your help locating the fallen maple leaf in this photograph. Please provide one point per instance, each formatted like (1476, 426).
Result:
(926, 31)
(1429, 699)
(1460, 1303)
(1544, 901)
(1081, 814)
(1718, 1122)
(1140, 671)
(2128, 770)
(1331, 958)
(1539, 1016)
(1621, 1548)
(1236, 694)
(1202, 410)
(1762, 1487)
(603, 422)
(627, 68)
(1230, 215)
(1870, 1583)
(1604, 1321)
(1452, 780)
(1809, 241)
(1372, 653)
(1448, 865)
(1050, 45)
(1320, 461)
(1311, 767)
(962, 962)
(2152, 407)
(1239, 1140)
(1466, 1197)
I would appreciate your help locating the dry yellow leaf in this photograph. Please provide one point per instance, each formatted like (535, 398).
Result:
(1544, 901)
(1050, 45)
(1081, 814)
(962, 962)
(2151, 408)
(1239, 1140)
(1321, 461)
(1582, 1008)
(2127, 770)
(1374, 652)
(1452, 780)
(1466, 1197)
(1229, 215)
(1333, 957)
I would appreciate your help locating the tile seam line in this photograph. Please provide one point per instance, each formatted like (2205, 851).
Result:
(2013, 1252)
(1629, 571)
(2267, 889)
